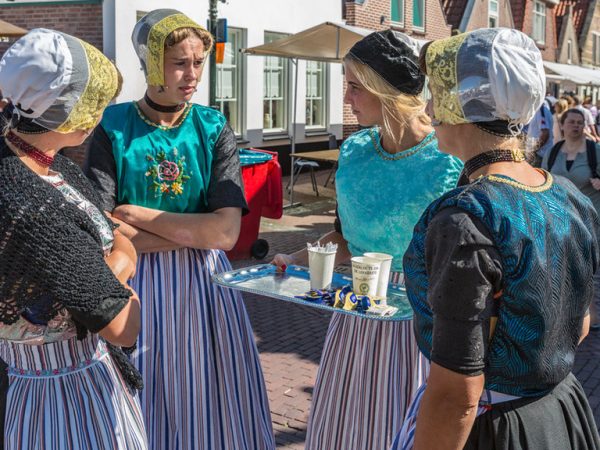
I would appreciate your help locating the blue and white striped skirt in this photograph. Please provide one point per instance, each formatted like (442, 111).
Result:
(69, 395)
(368, 374)
(204, 387)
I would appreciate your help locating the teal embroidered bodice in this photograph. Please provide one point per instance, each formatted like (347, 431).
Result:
(546, 237)
(381, 196)
(163, 168)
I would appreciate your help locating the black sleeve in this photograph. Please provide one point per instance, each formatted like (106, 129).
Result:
(337, 223)
(69, 267)
(226, 189)
(465, 271)
(100, 168)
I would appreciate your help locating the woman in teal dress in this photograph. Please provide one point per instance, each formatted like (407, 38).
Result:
(388, 173)
(170, 175)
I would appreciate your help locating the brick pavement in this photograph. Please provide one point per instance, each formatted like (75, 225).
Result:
(290, 337)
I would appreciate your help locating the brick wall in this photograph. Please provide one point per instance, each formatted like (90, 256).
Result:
(376, 15)
(548, 49)
(83, 21)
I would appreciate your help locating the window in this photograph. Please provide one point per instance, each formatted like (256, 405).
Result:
(419, 14)
(316, 94)
(275, 92)
(493, 13)
(539, 22)
(397, 11)
(229, 80)
(596, 49)
(569, 51)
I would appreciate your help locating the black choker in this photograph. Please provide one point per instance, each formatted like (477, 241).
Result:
(492, 156)
(163, 108)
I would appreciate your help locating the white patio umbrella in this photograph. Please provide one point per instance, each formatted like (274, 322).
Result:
(327, 42)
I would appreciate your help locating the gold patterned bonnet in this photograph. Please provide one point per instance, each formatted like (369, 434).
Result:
(149, 36)
(484, 76)
(57, 81)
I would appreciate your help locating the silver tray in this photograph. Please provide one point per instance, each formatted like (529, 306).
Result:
(264, 280)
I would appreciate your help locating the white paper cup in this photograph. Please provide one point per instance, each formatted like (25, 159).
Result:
(384, 274)
(320, 267)
(365, 275)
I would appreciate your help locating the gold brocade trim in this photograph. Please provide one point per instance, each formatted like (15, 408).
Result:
(101, 87)
(441, 59)
(155, 64)
(400, 155)
(541, 188)
(180, 120)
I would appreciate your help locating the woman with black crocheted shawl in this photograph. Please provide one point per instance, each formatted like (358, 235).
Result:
(65, 307)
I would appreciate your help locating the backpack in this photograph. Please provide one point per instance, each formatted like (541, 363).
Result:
(590, 147)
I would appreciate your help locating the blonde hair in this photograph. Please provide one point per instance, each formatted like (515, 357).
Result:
(180, 34)
(561, 106)
(396, 107)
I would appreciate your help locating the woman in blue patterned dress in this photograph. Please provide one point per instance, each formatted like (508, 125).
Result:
(169, 172)
(499, 270)
(388, 173)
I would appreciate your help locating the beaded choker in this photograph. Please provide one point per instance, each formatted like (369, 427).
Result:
(162, 108)
(492, 156)
(31, 151)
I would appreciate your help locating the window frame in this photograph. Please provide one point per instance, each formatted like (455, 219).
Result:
(493, 15)
(324, 81)
(540, 16)
(401, 13)
(419, 28)
(286, 96)
(239, 67)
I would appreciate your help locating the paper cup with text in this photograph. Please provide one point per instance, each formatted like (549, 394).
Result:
(365, 275)
(384, 274)
(320, 267)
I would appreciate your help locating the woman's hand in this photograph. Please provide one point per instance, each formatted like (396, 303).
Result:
(595, 183)
(282, 261)
(127, 213)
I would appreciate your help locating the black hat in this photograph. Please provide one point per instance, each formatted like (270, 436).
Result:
(390, 55)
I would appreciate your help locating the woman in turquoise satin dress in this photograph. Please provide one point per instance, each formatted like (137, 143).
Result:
(170, 175)
(388, 173)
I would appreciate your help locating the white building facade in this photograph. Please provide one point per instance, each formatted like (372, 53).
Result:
(254, 92)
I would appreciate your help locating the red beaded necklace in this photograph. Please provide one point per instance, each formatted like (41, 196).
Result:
(31, 151)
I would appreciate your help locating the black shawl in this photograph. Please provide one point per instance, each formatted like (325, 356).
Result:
(51, 254)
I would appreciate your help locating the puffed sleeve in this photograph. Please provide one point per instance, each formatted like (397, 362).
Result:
(100, 167)
(226, 189)
(465, 271)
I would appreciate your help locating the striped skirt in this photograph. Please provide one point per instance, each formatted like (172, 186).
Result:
(204, 387)
(69, 395)
(368, 375)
